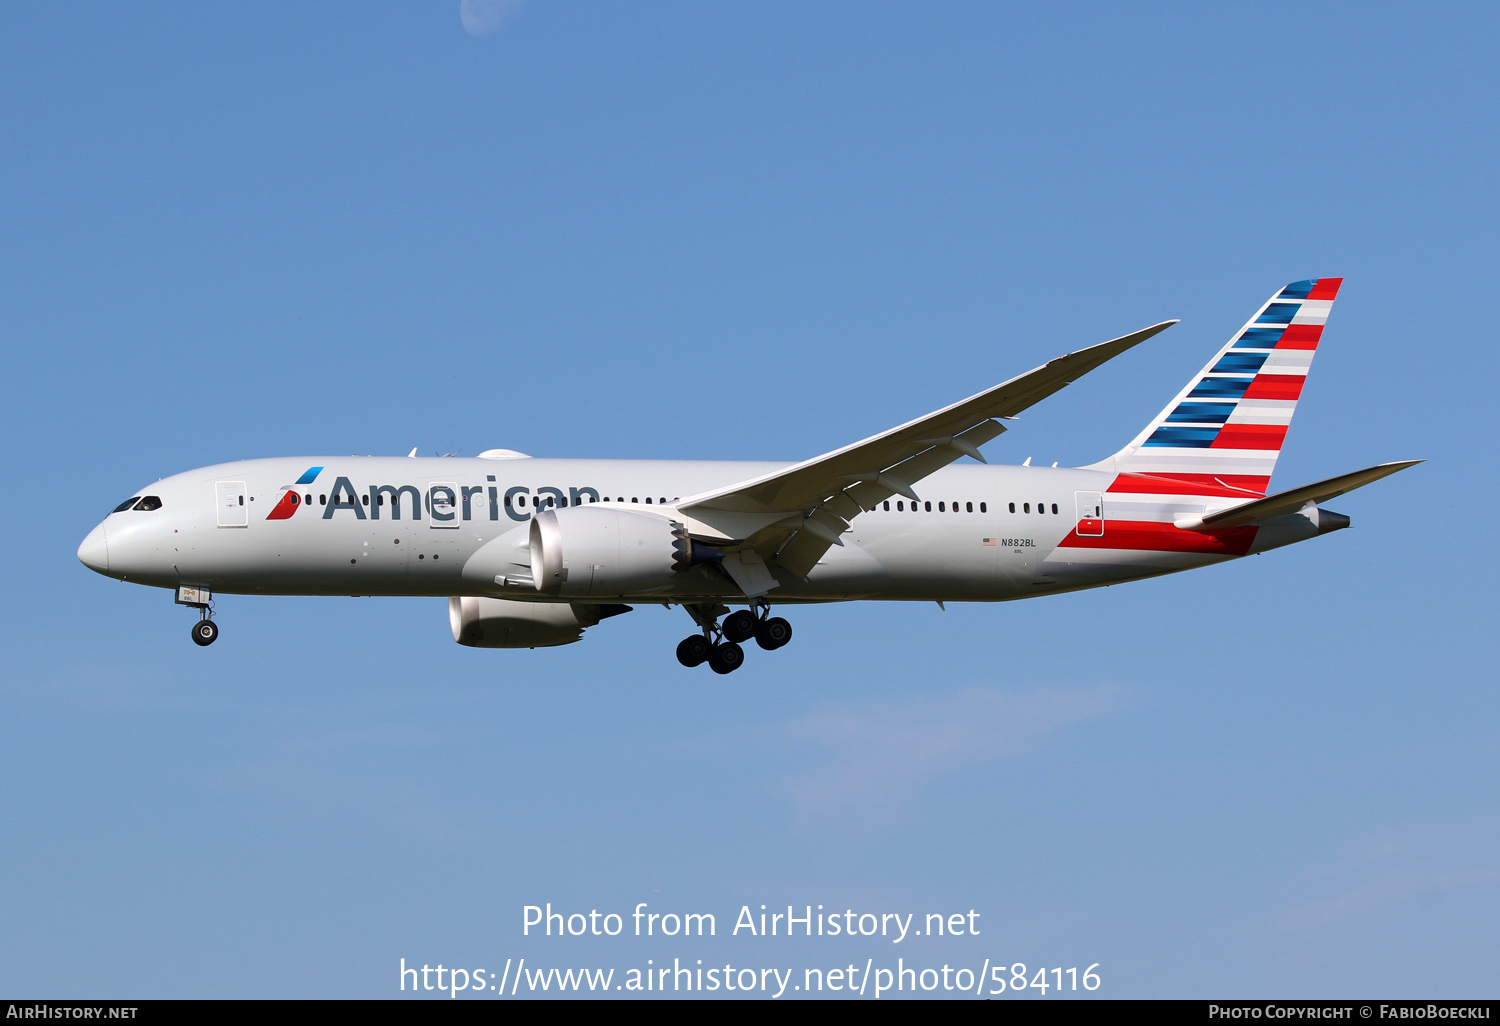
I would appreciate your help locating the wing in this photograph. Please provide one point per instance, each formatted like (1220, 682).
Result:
(793, 515)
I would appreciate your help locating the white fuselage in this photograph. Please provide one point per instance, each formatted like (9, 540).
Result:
(979, 533)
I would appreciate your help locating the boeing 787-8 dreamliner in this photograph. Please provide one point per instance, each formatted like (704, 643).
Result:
(531, 552)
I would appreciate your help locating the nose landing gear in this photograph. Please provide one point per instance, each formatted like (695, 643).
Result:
(719, 646)
(205, 631)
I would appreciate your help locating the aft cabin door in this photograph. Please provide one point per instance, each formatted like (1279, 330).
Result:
(233, 508)
(1090, 514)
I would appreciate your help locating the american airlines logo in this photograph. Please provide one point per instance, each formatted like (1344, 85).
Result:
(444, 503)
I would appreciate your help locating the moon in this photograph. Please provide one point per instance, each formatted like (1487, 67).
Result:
(481, 17)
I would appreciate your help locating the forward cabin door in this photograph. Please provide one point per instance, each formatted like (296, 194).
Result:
(1090, 514)
(232, 503)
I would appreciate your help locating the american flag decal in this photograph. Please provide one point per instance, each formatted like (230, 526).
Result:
(989, 541)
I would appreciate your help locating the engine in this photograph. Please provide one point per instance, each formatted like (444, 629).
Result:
(502, 623)
(587, 551)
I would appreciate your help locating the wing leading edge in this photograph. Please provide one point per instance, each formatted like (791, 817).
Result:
(795, 514)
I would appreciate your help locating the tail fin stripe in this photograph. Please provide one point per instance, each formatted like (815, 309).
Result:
(1190, 437)
(1276, 386)
(1250, 436)
(1314, 311)
(1260, 338)
(1301, 336)
(1263, 411)
(1279, 313)
(1200, 413)
(1239, 363)
(1288, 361)
(1220, 388)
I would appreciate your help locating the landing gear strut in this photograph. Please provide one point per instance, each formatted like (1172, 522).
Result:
(719, 646)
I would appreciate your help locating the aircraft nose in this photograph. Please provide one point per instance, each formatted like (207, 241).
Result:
(94, 552)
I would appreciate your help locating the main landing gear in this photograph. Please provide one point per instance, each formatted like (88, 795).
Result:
(719, 646)
(205, 631)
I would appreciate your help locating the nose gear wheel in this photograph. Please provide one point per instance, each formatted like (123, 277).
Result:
(205, 632)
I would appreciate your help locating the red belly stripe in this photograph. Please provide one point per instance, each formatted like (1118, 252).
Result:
(1159, 537)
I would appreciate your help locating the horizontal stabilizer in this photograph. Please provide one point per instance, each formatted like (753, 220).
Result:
(1292, 501)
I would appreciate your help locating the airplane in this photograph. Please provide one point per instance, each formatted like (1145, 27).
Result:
(532, 552)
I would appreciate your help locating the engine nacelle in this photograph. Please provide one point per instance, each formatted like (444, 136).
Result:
(588, 551)
(503, 623)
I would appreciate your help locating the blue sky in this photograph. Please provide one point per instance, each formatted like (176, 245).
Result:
(746, 231)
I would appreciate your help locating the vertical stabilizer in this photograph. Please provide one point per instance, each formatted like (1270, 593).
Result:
(1226, 428)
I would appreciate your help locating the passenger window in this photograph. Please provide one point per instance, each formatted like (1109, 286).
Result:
(887, 505)
(322, 500)
(122, 507)
(927, 506)
(309, 498)
(1013, 507)
(1026, 506)
(1054, 507)
(151, 502)
(899, 507)
(942, 508)
(648, 500)
(562, 502)
(521, 501)
(242, 500)
(984, 507)
(634, 499)
(365, 499)
(968, 507)
(955, 507)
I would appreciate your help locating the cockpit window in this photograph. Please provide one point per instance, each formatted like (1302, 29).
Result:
(122, 507)
(149, 503)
